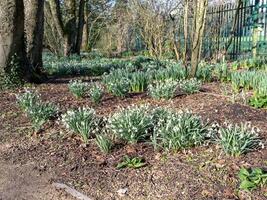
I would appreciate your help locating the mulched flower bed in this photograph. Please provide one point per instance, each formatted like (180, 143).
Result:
(198, 173)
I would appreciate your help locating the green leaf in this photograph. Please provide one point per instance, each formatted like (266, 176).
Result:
(247, 185)
(121, 165)
(243, 174)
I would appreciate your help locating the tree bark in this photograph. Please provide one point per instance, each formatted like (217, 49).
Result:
(80, 27)
(85, 39)
(199, 25)
(34, 29)
(55, 10)
(52, 39)
(70, 33)
(185, 29)
(12, 41)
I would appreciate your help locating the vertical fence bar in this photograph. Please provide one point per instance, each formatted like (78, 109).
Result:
(265, 21)
(241, 30)
(220, 19)
(245, 27)
(229, 30)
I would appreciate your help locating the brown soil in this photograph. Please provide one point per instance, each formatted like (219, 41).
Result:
(32, 162)
(19, 182)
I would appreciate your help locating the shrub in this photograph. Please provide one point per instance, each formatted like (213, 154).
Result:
(28, 99)
(238, 139)
(179, 131)
(40, 113)
(96, 93)
(78, 88)
(162, 89)
(131, 124)
(82, 121)
(104, 143)
(252, 178)
(190, 86)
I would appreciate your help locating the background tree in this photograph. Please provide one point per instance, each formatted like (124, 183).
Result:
(34, 29)
(199, 20)
(97, 17)
(70, 27)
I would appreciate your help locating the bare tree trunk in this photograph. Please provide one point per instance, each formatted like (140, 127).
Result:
(34, 28)
(12, 41)
(55, 10)
(234, 27)
(70, 28)
(85, 39)
(67, 31)
(199, 25)
(80, 27)
(175, 43)
(185, 29)
(52, 39)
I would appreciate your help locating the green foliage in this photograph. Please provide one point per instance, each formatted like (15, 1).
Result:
(104, 143)
(12, 77)
(119, 88)
(163, 89)
(255, 80)
(139, 60)
(260, 85)
(38, 112)
(176, 131)
(28, 99)
(258, 101)
(96, 93)
(94, 55)
(138, 81)
(134, 163)
(190, 86)
(222, 72)
(169, 70)
(160, 114)
(238, 139)
(117, 82)
(82, 121)
(78, 88)
(250, 64)
(76, 65)
(131, 124)
(252, 179)
(204, 72)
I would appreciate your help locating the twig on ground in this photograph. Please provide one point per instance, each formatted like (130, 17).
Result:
(71, 191)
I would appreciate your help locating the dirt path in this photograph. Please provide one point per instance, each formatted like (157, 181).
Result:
(22, 182)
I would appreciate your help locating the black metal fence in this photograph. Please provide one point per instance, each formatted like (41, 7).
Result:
(239, 30)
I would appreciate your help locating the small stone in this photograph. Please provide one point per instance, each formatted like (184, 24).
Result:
(122, 192)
